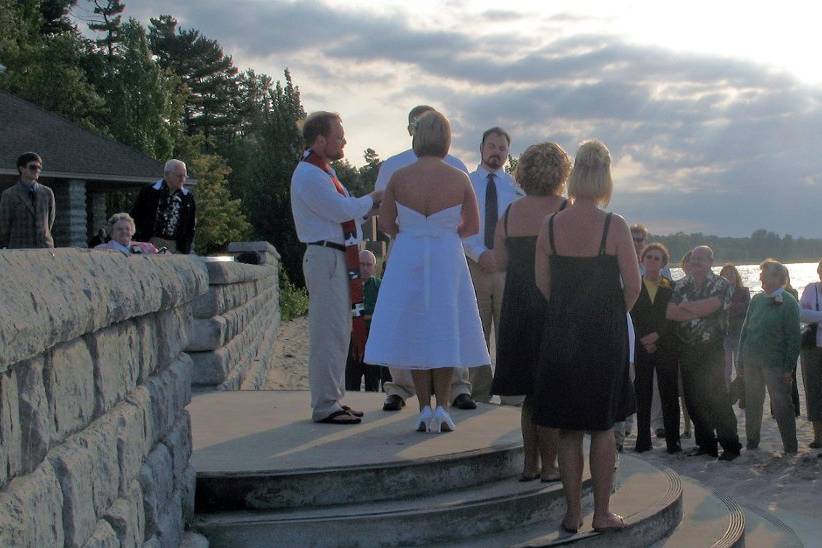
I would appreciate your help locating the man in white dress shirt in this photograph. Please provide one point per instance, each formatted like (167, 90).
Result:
(495, 191)
(320, 205)
(401, 386)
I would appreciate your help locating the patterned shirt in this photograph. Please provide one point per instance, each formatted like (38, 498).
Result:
(710, 329)
(168, 213)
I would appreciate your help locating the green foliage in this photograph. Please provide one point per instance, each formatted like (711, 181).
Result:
(108, 21)
(293, 299)
(759, 246)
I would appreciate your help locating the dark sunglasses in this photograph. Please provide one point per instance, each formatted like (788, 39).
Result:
(33, 167)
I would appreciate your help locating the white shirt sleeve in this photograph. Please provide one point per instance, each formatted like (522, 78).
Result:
(321, 197)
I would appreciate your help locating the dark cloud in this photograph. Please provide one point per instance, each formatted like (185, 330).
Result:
(728, 145)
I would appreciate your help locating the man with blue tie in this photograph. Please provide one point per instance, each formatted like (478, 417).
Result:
(495, 191)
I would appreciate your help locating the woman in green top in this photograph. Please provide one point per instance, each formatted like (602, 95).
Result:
(769, 348)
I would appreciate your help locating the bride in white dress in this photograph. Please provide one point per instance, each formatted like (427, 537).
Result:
(426, 318)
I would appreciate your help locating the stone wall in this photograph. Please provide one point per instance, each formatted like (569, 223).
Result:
(236, 321)
(95, 440)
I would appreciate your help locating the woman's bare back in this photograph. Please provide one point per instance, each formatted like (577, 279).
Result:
(429, 185)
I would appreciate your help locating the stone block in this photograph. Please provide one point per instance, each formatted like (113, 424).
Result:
(11, 435)
(30, 510)
(210, 368)
(104, 536)
(89, 475)
(169, 392)
(229, 272)
(134, 441)
(171, 333)
(140, 398)
(127, 517)
(69, 380)
(193, 540)
(187, 492)
(178, 442)
(116, 353)
(157, 482)
(221, 298)
(80, 291)
(208, 334)
(171, 523)
(34, 413)
(262, 247)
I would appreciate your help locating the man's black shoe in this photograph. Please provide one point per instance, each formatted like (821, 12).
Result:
(728, 455)
(393, 403)
(464, 401)
(674, 448)
(697, 451)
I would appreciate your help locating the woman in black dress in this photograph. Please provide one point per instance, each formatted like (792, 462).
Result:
(587, 269)
(655, 351)
(541, 173)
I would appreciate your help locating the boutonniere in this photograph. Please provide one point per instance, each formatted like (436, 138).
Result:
(777, 300)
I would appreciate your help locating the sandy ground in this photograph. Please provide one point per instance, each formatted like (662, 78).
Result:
(788, 488)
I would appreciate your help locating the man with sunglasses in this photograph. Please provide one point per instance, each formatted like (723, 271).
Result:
(27, 209)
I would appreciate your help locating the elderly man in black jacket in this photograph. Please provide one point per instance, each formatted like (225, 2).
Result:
(165, 213)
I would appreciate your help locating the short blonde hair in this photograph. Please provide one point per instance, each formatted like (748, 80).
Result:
(542, 169)
(117, 217)
(591, 176)
(432, 135)
(776, 270)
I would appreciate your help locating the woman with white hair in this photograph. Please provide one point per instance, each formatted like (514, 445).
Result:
(768, 350)
(587, 269)
(122, 230)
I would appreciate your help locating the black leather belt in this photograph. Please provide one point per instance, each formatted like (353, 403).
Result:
(332, 245)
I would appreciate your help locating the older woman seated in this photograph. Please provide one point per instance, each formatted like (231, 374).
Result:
(122, 229)
(769, 347)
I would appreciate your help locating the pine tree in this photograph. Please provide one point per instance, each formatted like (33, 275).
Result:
(109, 22)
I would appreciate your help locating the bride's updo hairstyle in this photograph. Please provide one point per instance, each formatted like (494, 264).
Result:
(591, 176)
(432, 135)
(542, 170)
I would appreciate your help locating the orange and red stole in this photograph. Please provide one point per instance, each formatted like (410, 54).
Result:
(359, 332)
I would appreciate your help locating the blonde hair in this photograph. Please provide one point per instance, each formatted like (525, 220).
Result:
(542, 169)
(117, 217)
(432, 135)
(591, 176)
(776, 270)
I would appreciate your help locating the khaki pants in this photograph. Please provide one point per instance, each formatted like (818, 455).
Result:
(160, 243)
(489, 287)
(329, 327)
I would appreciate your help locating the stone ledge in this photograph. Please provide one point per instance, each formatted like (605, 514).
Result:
(219, 299)
(52, 297)
(212, 333)
(229, 272)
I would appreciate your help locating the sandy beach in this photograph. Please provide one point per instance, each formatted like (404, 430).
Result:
(764, 481)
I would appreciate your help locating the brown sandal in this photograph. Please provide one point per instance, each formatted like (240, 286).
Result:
(352, 411)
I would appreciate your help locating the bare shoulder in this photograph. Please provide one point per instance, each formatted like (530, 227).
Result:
(619, 223)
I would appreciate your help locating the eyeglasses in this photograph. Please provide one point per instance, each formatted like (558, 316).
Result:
(34, 167)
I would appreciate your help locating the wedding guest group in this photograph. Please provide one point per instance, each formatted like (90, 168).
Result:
(27, 209)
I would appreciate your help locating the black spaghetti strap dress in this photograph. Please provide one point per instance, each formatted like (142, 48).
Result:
(521, 318)
(582, 380)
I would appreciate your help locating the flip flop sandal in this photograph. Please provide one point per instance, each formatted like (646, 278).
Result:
(352, 411)
(341, 417)
(612, 527)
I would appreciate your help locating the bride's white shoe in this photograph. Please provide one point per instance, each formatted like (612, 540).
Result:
(424, 419)
(442, 421)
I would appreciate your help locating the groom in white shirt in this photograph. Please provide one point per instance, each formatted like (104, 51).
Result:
(495, 191)
(401, 386)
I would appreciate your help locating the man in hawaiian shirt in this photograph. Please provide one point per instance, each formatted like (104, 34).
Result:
(699, 305)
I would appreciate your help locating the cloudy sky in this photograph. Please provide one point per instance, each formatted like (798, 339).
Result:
(712, 110)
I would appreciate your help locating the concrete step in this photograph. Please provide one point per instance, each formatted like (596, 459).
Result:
(708, 520)
(649, 499)
(765, 530)
(355, 484)
(406, 521)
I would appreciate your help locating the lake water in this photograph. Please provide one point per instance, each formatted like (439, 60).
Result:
(801, 275)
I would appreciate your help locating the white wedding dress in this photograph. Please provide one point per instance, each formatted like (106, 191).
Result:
(426, 315)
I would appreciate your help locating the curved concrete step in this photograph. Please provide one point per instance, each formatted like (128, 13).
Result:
(649, 499)
(434, 519)
(765, 530)
(708, 519)
(355, 484)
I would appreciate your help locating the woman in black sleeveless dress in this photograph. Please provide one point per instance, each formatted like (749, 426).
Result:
(541, 173)
(582, 383)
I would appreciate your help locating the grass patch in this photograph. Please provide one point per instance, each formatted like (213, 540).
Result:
(293, 299)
